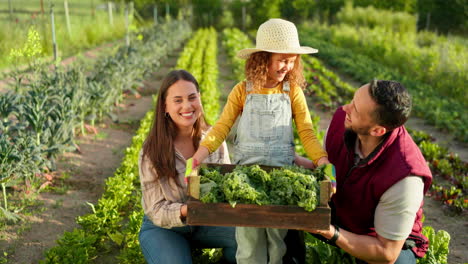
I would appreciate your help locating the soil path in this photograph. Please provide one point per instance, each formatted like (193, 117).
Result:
(100, 156)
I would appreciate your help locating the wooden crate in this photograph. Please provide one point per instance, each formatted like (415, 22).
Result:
(273, 216)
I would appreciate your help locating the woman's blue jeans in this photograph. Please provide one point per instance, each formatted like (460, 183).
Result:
(172, 246)
(406, 257)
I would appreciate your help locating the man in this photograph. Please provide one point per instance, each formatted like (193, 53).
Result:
(381, 177)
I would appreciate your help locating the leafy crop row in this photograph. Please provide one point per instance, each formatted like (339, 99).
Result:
(436, 106)
(234, 40)
(440, 64)
(199, 58)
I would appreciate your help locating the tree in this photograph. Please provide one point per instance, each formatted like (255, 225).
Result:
(261, 11)
(443, 16)
(207, 12)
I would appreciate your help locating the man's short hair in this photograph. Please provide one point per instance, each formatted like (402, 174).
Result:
(393, 103)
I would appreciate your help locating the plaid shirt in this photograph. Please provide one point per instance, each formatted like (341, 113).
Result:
(162, 198)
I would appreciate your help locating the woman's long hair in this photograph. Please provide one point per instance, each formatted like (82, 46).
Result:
(256, 70)
(159, 145)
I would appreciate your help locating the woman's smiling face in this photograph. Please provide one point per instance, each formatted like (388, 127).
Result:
(183, 104)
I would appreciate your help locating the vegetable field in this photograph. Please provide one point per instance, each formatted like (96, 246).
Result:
(51, 116)
(73, 33)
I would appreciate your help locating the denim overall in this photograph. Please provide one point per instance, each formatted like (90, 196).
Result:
(265, 132)
(264, 136)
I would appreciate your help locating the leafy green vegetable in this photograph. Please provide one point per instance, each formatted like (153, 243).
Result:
(290, 185)
(438, 246)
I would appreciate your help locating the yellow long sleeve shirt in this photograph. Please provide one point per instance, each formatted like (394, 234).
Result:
(235, 105)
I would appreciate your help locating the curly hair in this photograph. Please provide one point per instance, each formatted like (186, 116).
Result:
(256, 70)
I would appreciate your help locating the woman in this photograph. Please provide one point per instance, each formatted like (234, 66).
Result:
(178, 127)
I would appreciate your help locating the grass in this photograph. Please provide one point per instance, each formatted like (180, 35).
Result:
(58, 204)
(87, 31)
(101, 135)
(59, 186)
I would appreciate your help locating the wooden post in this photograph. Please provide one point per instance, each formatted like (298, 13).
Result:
(42, 7)
(11, 9)
(130, 12)
(167, 10)
(67, 17)
(428, 20)
(92, 8)
(109, 9)
(243, 18)
(155, 15)
(127, 37)
(54, 41)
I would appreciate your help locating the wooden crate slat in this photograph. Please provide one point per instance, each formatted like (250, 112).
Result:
(273, 216)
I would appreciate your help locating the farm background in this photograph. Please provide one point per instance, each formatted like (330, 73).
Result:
(420, 43)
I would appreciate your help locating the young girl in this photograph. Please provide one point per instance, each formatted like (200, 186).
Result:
(178, 127)
(266, 103)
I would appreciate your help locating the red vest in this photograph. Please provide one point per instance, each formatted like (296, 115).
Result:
(359, 187)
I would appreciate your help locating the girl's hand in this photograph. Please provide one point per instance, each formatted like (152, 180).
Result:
(322, 161)
(303, 162)
(200, 155)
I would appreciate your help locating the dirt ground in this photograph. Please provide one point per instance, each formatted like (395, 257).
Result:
(101, 154)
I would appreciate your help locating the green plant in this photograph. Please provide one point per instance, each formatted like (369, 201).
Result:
(30, 52)
(438, 246)
(75, 247)
(9, 157)
(101, 135)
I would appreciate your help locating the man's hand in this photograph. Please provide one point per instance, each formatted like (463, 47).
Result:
(326, 233)
(373, 250)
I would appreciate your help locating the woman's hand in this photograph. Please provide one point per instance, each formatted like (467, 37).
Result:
(183, 211)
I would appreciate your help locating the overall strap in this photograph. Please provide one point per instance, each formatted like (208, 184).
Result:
(286, 86)
(248, 86)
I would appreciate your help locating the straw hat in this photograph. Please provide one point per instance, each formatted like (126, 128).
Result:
(277, 36)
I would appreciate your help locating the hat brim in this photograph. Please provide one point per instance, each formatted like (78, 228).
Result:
(245, 53)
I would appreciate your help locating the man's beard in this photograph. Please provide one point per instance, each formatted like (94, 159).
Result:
(361, 131)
